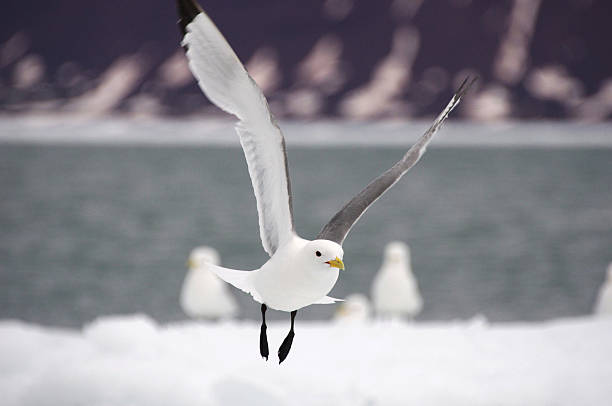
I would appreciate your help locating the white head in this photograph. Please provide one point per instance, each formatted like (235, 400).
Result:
(323, 254)
(397, 252)
(203, 255)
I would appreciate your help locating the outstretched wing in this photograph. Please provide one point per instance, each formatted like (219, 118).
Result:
(340, 225)
(227, 84)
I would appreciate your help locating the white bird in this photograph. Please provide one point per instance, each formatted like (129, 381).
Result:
(604, 299)
(355, 308)
(395, 292)
(203, 294)
(299, 272)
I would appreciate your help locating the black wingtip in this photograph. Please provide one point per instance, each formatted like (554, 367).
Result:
(187, 11)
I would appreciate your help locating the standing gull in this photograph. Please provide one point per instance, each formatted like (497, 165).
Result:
(203, 294)
(299, 272)
(395, 292)
(603, 307)
(354, 309)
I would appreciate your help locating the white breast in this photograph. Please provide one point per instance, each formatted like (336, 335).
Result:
(287, 282)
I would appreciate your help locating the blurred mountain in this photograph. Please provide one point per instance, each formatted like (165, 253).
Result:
(335, 58)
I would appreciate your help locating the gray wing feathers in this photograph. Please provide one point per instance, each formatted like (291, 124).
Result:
(340, 225)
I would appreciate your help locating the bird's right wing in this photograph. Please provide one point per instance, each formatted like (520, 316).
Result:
(340, 225)
(227, 84)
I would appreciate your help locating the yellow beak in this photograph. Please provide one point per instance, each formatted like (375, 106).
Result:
(190, 263)
(336, 263)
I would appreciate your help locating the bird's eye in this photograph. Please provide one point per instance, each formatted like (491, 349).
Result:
(318, 253)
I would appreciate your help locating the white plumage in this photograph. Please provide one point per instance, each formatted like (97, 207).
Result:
(294, 277)
(603, 307)
(226, 83)
(395, 292)
(299, 272)
(203, 294)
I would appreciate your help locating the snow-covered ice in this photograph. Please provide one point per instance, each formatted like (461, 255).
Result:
(131, 360)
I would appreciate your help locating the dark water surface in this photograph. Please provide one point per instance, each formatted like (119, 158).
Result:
(514, 234)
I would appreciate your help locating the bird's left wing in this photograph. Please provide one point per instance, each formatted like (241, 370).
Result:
(340, 225)
(227, 84)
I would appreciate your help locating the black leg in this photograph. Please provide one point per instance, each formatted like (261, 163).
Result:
(283, 351)
(263, 337)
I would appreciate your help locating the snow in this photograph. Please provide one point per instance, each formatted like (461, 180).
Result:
(131, 360)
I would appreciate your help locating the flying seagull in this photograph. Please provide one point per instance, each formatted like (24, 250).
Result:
(299, 272)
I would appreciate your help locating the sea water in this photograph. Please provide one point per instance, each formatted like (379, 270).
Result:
(92, 226)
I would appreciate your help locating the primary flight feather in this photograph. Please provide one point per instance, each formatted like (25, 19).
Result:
(299, 272)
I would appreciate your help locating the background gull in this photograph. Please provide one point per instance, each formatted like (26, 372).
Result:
(355, 309)
(203, 294)
(395, 292)
(603, 307)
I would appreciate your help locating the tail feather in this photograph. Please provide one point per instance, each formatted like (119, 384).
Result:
(239, 279)
(328, 300)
